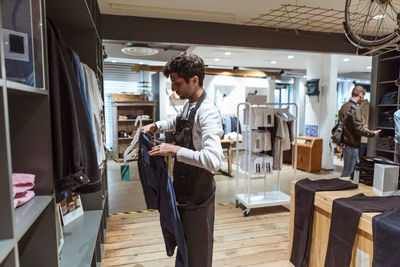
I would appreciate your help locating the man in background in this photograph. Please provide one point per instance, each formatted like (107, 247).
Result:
(353, 130)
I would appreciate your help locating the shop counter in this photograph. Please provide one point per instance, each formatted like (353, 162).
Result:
(321, 224)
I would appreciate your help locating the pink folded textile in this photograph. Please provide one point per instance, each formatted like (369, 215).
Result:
(22, 178)
(22, 198)
(22, 182)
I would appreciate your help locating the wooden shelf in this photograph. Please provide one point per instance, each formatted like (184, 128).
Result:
(388, 82)
(384, 150)
(133, 120)
(134, 104)
(390, 58)
(125, 138)
(27, 214)
(6, 245)
(388, 105)
(385, 128)
(80, 239)
(14, 87)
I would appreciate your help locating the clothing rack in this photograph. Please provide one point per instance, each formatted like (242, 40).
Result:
(266, 198)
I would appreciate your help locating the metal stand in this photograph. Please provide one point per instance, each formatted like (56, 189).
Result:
(267, 198)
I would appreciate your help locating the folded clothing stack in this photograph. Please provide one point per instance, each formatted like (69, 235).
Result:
(22, 183)
(386, 118)
(366, 168)
(385, 142)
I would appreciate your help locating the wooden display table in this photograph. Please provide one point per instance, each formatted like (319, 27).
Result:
(322, 219)
(228, 143)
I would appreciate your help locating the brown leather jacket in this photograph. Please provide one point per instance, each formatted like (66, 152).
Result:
(354, 127)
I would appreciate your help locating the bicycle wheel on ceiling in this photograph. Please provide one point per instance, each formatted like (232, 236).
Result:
(372, 23)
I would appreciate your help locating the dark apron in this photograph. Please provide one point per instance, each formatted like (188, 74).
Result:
(195, 193)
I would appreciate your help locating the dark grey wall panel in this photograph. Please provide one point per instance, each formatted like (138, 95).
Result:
(193, 32)
(6, 229)
(30, 133)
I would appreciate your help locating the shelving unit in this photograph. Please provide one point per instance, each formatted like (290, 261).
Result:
(385, 72)
(126, 108)
(266, 198)
(28, 233)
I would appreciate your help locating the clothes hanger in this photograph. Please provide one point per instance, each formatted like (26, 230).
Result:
(288, 114)
(129, 153)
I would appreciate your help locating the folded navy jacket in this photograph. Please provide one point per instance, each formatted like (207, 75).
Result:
(346, 213)
(386, 234)
(304, 213)
(159, 194)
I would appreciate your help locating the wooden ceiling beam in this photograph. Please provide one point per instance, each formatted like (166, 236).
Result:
(216, 71)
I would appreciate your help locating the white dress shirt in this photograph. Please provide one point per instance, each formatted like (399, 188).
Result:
(207, 131)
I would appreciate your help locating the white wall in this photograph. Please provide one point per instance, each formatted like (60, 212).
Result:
(230, 102)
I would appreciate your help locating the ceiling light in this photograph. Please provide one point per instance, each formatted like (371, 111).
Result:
(141, 63)
(216, 59)
(139, 51)
(113, 61)
(228, 53)
(290, 57)
(379, 16)
(369, 68)
(273, 62)
(346, 59)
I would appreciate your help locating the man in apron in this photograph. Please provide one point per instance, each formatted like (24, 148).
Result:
(198, 154)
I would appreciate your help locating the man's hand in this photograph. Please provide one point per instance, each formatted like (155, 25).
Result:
(152, 128)
(164, 150)
(377, 132)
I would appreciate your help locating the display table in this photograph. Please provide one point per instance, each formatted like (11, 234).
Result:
(228, 143)
(322, 216)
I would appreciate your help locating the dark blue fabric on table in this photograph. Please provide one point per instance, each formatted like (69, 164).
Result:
(386, 234)
(304, 213)
(346, 213)
(159, 194)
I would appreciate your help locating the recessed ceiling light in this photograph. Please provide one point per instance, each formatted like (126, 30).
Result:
(139, 51)
(369, 68)
(346, 59)
(113, 61)
(273, 62)
(216, 59)
(228, 53)
(290, 57)
(379, 16)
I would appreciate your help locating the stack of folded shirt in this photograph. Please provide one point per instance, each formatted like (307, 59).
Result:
(22, 183)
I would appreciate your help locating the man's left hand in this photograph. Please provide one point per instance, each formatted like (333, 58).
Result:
(164, 149)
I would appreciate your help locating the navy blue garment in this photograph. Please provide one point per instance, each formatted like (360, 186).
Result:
(386, 234)
(76, 63)
(304, 213)
(159, 194)
(346, 213)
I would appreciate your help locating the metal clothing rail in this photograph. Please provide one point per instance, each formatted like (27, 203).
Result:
(267, 198)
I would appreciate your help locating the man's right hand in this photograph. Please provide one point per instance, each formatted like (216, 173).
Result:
(152, 128)
(377, 132)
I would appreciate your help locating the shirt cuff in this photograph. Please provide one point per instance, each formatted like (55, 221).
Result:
(159, 126)
(183, 153)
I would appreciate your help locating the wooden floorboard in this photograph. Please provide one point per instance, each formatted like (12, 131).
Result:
(261, 239)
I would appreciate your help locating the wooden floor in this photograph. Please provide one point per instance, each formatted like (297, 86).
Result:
(262, 239)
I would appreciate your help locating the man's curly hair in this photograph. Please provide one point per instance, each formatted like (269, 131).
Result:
(186, 65)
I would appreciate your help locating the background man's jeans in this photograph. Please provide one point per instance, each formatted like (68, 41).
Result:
(350, 158)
